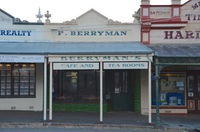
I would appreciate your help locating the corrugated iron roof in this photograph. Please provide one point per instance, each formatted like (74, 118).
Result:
(176, 50)
(74, 48)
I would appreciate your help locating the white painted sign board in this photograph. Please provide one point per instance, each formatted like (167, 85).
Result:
(98, 58)
(126, 65)
(76, 66)
(21, 59)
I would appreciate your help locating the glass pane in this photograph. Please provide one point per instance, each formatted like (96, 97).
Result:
(32, 73)
(32, 79)
(3, 92)
(70, 83)
(20, 80)
(3, 79)
(8, 72)
(198, 83)
(125, 82)
(190, 81)
(24, 79)
(87, 86)
(16, 79)
(117, 85)
(172, 89)
(32, 92)
(32, 85)
(3, 73)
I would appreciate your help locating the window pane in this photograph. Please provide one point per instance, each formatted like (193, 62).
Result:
(76, 86)
(173, 88)
(17, 80)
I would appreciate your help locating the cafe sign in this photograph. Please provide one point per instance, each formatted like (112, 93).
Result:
(126, 65)
(76, 66)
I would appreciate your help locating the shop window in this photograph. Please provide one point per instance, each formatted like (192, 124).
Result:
(17, 80)
(76, 86)
(172, 89)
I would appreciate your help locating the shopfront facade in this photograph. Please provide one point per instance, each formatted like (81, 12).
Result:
(89, 64)
(172, 31)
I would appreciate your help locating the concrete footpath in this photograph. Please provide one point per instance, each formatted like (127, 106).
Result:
(117, 120)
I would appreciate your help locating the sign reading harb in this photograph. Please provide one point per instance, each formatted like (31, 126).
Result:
(182, 35)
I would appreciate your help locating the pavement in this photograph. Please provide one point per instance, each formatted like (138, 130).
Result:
(76, 130)
(117, 120)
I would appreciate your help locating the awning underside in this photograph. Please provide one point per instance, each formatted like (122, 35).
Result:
(82, 48)
(176, 50)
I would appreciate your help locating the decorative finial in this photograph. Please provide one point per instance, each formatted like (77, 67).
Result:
(47, 16)
(39, 16)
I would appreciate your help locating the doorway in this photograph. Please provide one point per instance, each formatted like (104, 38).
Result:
(119, 87)
(193, 92)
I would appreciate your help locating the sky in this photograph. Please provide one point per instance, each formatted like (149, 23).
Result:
(65, 10)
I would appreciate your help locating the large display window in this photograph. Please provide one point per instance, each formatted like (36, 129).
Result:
(172, 89)
(76, 86)
(17, 80)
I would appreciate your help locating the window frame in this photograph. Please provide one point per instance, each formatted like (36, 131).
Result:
(19, 76)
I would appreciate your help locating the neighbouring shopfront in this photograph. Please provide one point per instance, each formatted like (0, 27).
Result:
(74, 66)
(172, 31)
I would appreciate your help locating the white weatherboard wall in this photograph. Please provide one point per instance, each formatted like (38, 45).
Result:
(27, 104)
(144, 92)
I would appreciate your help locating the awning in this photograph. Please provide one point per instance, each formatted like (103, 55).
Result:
(74, 48)
(176, 54)
(176, 50)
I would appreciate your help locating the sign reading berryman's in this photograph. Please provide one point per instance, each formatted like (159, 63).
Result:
(98, 58)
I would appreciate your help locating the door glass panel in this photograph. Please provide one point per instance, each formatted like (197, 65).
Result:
(117, 86)
(190, 82)
(70, 84)
(125, 82)
(120, 82)
(198, 83)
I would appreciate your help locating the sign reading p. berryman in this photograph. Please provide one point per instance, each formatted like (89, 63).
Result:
(92, 33)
